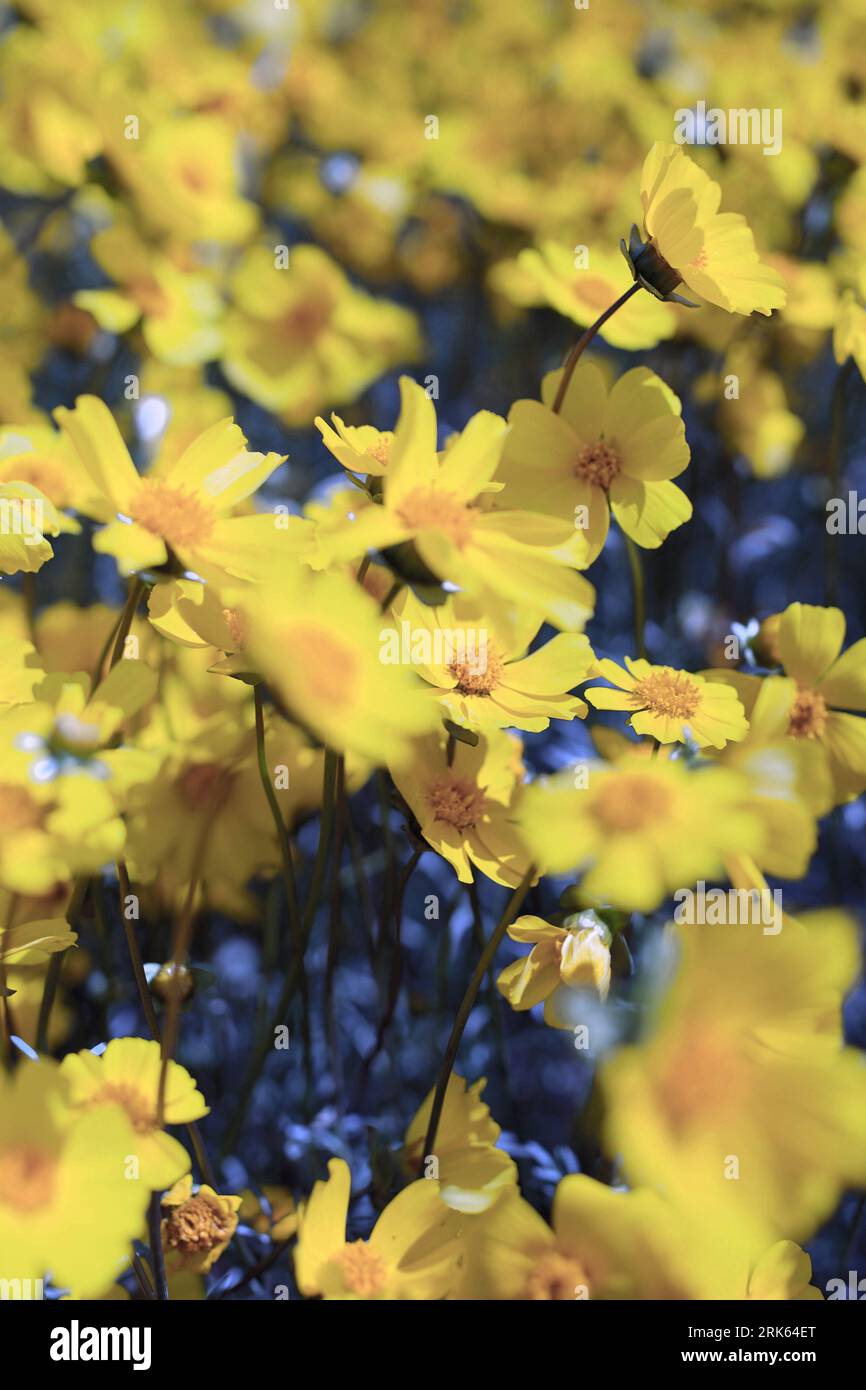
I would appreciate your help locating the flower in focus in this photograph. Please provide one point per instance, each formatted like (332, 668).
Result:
(670, 705)
(412, 1252)
(600, 454)
(435, 503)
(196, 1226)
(127, 1074)
(711, 252)
(466, 808)
(576, 956)
(479, 670)
(184, 514)
(472, 1173)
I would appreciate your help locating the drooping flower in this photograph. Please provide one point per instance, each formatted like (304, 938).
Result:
(600, 454)
(690, 242)
(576, 956)
(196, 1226)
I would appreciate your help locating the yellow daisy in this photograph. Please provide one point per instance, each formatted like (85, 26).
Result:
(670, 705)
(576, 955)
(471, 1171)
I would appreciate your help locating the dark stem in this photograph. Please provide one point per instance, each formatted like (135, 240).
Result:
(584, 341)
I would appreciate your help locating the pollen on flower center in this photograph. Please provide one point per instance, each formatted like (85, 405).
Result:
(26, 1177)
(700, 260)
(197, 1224)
(176, 516)
(429, 508)
(555, 1275)
(380, 451)
(630, 802)
(18, 810)
(457, 801)
(306, 320)
(141, 1111)
(205, 785)
(479, 676)
(598, 464)
(808, 717)
(237, 625)
(700, 1078)
(667, 692)
(364, 1271)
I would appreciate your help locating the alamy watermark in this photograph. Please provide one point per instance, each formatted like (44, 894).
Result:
(23, 516)
(738, 126)
(730, 907)
(441, 646)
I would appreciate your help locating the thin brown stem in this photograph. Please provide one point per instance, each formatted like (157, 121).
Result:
(584, 341)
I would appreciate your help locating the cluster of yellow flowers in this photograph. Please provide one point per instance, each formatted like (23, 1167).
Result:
(266, 663)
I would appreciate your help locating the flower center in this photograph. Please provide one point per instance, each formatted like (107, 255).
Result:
(141, 1112)
(456, 801)
(701, 1077)
(556, 1276)
(598, 464)
(700, 260)
(305, 321)
(381, 450)
(430, 509)
(42, 473)
(808, 717)
(667, 692)
(364, 1271)
(18, 810)
(26, 1177)
(176, 516)
(237, 625)
(205, 785)
(592, 290)
(630, 802)
(479, 674)
(331, 669)
(150, 299)
(197, 1224)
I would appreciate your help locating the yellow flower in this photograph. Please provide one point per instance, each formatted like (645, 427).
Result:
(472, 1173)
(476, 662)
(436, 504)
(743, 1075)
(466, 808)
(668, 705)
(179, 309)
(711, 252)
(830, 698)
(39, 455)
(68, 1207)
(316, 639)
(273, 1213)
(19, 669)
(549, 275)
(576, 955)
(602, 1245)
(359, 448)
(639, 828)
(600, 454)
(783, 1272)
(299, 337)
(184, 514)
(196, 1226)
(412, 1252)
(26, 518)
(127, 1074)
(31, 942)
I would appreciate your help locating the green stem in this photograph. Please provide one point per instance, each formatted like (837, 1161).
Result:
(584, 341)
(55, 966)
(136, 589)
(637, 584)
(157, 1254)
(487, 956)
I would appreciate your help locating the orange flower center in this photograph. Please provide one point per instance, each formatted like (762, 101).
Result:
(701, 1077)
(305, 321)
(42, 473)
(364, 1271)
(598, 464)
(556, 1275)
(27, 1177)
(179, 518)
(630, 802)
(151, 300)
(381, 450)
(205, 786)
(479, 676)
(456, 801)
(426, 509)
(197, 1224)
(700, 260)
(592, 290)
(18, 810)
(808, 718)
(141, 1112)
(667, 692)
(330, 667)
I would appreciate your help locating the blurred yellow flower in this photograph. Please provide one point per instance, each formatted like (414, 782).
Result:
(471, 1171)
